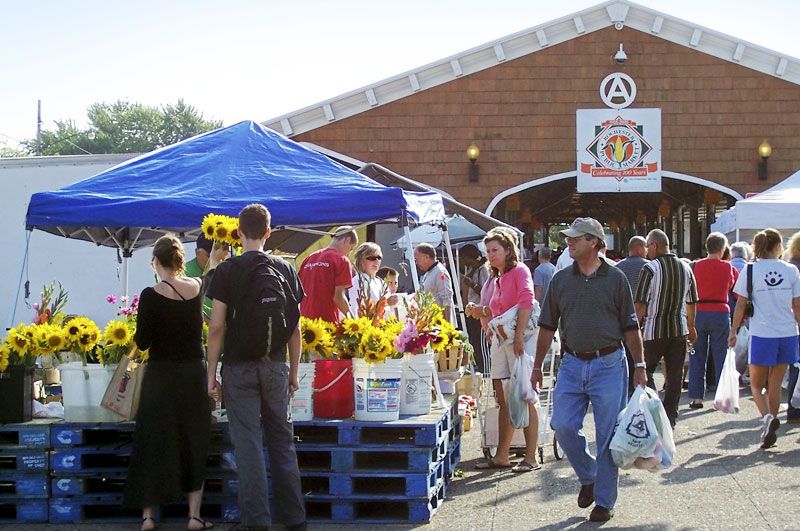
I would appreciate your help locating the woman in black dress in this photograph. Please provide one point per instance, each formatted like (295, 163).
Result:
(173, 421)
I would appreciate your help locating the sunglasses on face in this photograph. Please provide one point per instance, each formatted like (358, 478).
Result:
(374, 258)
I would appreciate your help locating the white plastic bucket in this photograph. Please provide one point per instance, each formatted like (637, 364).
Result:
(415, 387)
(83, 388)
(303, 399)
(377, 389)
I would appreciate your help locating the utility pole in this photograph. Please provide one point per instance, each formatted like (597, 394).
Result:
(38, 127)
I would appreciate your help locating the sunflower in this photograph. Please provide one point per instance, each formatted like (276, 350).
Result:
(18, 340)
(312, 333)
(54, 339)
(375, 345)
(117, 333)
(5, 353)
(221, 233)
(355, 326)
(209, 225)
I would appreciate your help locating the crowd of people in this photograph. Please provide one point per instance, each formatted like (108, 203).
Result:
(617, 322)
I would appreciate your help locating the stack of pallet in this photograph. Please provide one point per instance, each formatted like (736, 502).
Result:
(24, 478)
(360, 472)
(88, 466)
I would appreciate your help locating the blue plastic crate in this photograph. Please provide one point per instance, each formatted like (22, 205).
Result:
(23, 460)
(33, 434)
(23, 510)
(24, 484)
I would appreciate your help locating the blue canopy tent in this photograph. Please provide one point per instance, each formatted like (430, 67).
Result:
(173, 188)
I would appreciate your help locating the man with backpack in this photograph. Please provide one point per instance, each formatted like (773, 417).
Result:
(256, 314)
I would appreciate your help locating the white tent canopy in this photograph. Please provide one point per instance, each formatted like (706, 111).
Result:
(777, 207)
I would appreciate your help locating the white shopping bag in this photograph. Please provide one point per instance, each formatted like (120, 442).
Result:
(742, 345)
(517, 406)
(636, 433)
(795, 401)
(522, 379)
(727, 397)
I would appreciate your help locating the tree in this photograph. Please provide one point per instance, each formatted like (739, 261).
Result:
(123, 127)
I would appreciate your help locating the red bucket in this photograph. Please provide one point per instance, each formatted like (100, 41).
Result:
(333, 389)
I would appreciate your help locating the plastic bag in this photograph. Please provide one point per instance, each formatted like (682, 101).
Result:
(795, 401)
(517, 406)
(523, 368)
(742, 345)
(727, 397)
(643, 436)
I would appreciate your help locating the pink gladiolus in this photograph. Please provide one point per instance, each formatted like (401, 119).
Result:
(112, 299)
(36, 306)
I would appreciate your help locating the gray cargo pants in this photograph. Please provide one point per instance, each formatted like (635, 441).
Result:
(257, 401)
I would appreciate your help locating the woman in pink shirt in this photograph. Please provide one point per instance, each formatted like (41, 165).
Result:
(513, 287)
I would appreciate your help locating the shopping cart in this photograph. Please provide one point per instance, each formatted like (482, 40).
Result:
(488, 411)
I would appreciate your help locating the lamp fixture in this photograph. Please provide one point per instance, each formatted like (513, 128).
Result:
(764, 151)
(620, 57)
(472, 154)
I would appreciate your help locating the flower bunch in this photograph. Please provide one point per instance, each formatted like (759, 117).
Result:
(317, 338)
(359, 337)
(424, 327)
(83, 335)
(125, 310)
(117, 341)
(224, 229)
(51, 304)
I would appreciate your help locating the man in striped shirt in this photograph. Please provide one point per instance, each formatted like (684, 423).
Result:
(665, 297)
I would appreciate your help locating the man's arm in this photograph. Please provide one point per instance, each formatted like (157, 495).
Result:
(633, 338)
(295, 347)
(691, 312)
(543, 343)
(216, 336)
(340, 299)
(537, 293)
(641, 311)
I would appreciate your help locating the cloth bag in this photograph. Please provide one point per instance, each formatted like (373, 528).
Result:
(504, 325)
(123, 391)
(727, 397)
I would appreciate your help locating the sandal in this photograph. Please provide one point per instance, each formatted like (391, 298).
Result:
(144, 521)
(206, 524)
(489, 464)
(524, 466)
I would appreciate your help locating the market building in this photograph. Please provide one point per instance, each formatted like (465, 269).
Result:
(619, 112)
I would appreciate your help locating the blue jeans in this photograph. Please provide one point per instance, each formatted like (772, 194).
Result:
(713, 329)
(603, 382)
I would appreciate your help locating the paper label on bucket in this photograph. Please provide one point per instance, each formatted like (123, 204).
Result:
(377, 395)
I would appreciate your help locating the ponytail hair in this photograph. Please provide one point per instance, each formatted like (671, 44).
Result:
(765, 241)
(168, 250)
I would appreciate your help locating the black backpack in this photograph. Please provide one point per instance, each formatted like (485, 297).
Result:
(263, 312)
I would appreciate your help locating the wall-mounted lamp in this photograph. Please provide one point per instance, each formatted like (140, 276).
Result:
(472, 154)
(620, 57)
(764, 151)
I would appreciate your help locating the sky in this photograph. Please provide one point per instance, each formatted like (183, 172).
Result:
(258, 59)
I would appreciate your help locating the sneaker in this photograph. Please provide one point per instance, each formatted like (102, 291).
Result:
(771, 436)
(767, 418)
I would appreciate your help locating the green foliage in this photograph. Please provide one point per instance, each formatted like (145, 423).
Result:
(124, 127)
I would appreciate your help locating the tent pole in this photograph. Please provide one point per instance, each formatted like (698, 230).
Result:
(412, 265)
(126, 256)
(737, 234)
(459, 309)
(12, 314)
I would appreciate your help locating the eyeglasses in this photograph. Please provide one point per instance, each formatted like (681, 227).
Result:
(374, 258)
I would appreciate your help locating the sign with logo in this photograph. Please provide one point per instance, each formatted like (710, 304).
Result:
(619, 150)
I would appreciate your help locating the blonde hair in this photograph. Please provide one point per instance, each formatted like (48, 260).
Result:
(765, 241)
(507, 239)
(793, 247)
(168, 250)
(363, 251)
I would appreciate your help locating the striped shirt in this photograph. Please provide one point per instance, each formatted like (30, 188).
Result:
(666, 285)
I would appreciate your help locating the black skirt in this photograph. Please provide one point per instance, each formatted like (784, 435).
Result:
(172, 436)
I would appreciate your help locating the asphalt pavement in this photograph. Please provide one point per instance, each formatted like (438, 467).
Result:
(721, 479)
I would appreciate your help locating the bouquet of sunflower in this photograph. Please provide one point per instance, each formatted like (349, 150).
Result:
(360, 337)
(317, 339)
(83, 335)
(375, 345)
(223, 229)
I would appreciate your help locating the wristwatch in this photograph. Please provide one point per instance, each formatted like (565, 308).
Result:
(640, 365)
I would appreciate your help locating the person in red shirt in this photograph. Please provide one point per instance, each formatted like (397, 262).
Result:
(326, 276)
(715, 278)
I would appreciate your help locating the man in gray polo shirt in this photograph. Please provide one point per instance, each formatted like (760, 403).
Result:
(590, 304)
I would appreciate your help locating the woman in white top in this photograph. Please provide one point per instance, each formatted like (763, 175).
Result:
(773, 326)
(367, 262)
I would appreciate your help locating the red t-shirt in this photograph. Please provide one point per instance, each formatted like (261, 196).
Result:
(320, 273)
(715, 279)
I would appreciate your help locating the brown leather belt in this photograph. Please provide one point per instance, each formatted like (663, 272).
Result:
(589, 356)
